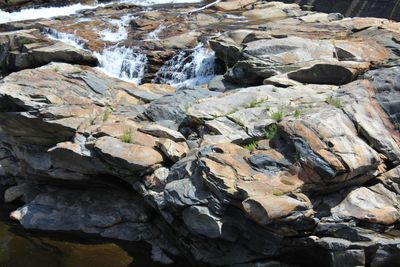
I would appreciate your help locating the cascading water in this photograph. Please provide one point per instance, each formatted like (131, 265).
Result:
(124, 63)
(121, 33)
(45, 12)
(189, 68)
(154, 34)
(67, 38)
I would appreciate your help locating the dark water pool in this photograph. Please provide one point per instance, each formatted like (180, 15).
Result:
(23, 248)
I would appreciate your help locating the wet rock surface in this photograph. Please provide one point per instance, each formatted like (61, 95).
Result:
(290, 156)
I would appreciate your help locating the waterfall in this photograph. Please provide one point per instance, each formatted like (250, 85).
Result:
(121, 62)
(159, 2)
(67, 38)
(117, 61)
(44, 12)
(154, 34)
(121, 33)
(189, 68)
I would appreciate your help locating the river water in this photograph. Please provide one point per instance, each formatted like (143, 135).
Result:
(23, 248)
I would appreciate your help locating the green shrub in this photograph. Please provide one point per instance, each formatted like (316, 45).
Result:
(251, 147)
(270, 131)
(334, 102)
(278, 116)
(297, 113)
(126, 137)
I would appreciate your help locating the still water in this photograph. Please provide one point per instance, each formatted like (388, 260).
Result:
(22, 248)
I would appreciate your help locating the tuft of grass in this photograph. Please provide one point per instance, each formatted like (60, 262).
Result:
(278, 116)
(397, 126)
(23, 41)
(270, 131)
(297, 113)
(255, 102)
(56, 69)
(106, 114)
(251, 147)
(334, 102)
(126, 137)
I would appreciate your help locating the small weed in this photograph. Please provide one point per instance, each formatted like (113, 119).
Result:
(56, 69)
(278, 116)
(277, 192)
(270, 131)
(23, 41)
(126, 137)
(296, 156)
(297, 113)
(251, 147)
(274, 90)
(397, 126)
(334, 102)
(106, 114)
(255, 102)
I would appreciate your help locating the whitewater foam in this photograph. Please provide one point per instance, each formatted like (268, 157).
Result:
(188, 69)
(67, 38)
(44, 12)
(122, 62)
(154, 34)
(121, 33)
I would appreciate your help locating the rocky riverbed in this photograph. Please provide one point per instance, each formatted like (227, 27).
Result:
(248, 133)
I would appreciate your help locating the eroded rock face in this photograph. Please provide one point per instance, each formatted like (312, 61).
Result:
(292, 153)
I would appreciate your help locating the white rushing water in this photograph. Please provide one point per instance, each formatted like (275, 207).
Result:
(189, 68)
(50, 12)
(154, 34)
(121, 62)
(67, 38)
(112, 35)
(45, 12)
(159, 2)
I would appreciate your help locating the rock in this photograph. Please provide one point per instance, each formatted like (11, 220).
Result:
(233, 5)
(200, 221)
(228, 129)
(15, 192)
(174, 151)
(132, 157)
(265, 209)
(375, 204)
(163, 132)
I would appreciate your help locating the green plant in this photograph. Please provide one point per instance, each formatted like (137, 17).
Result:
(126, 137)
(24, 40)
(251, 147)
(56, 68)
(397, 126)
(255, 102)
(270, 131)
(274, 90)
(297, 113)
(106, 114)
(334, 102)
(278, 116)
